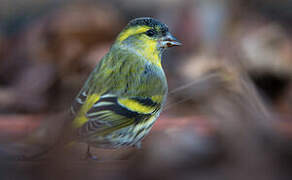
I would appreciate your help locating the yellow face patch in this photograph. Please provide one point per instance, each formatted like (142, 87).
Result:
(131, 31)
(150, 52)
(148, 47)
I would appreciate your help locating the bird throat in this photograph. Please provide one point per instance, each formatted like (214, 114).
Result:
(149, 50)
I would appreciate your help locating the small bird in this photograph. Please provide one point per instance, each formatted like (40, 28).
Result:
(125, 93)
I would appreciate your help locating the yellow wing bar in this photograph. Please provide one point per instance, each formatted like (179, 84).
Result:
(141, 105)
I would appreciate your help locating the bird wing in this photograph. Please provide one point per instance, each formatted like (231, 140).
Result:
(118, 93)
(106, 113)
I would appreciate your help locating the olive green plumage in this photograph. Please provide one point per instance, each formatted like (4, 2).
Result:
(125, 93)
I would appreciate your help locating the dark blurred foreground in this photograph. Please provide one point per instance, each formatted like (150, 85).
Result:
(229, 109)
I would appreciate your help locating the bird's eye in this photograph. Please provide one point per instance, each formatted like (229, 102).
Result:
(150, 32)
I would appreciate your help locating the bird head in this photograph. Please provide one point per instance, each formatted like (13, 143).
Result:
(147, 35)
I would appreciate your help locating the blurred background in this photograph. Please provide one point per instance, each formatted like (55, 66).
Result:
(229, 109)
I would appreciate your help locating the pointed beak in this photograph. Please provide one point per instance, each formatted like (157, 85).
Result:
(169, 41)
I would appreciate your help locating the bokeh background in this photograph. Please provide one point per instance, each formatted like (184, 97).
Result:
(229, 109)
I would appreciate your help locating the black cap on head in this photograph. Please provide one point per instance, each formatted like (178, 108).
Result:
(156, 31)
(147, 21)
